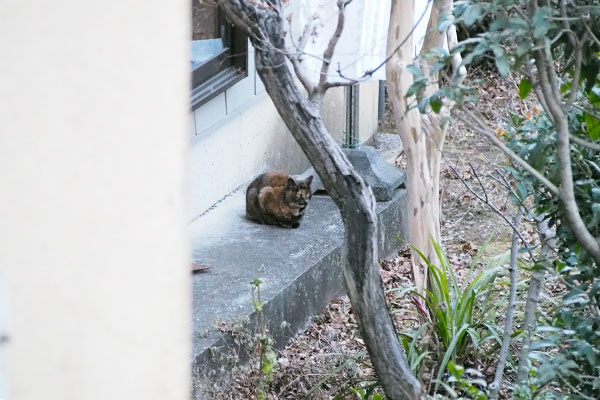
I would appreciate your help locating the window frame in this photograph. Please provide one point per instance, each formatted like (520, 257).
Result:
(223, 70)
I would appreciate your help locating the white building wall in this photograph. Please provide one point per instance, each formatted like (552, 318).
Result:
(93, 148)
(239, 134)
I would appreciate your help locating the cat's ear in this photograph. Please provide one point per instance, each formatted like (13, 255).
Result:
(309, 180)
(291, 182)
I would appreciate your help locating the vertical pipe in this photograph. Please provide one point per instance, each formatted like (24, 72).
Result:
(381, 105)
(351, 137)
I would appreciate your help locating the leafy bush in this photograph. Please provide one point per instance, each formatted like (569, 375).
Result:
(459, 318)
(550, 44)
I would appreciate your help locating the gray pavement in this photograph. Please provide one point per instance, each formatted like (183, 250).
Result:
(300, 269)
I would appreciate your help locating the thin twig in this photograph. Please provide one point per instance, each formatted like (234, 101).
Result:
(328, 54)
(512, 299)
(576, 73)
(488, 203)
(587, 27)
(480, 127)
(389, 57)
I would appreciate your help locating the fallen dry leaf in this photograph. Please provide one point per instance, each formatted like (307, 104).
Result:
(196, 267)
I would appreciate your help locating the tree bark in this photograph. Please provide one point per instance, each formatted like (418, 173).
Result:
(422, 135)
(512, 301)
(552, 101)
(548, 240)
(264, 24)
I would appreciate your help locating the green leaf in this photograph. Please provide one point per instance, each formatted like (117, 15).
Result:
(256, 282)
(423, 106)
(501, 59)
(524, 88)
(471, 14)
(541, 23)
(456, 370)
(595, 216)
(449, 351)
(269, 361)
(446, 20)
(436, 105)
(593, 126)
(418, 85)
(522, 190)
(415, 70)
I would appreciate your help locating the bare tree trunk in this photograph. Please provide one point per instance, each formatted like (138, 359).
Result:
(264, 24)
(548, 240)
(422, 136)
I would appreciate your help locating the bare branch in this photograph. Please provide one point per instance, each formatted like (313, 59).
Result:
(585, 143)
(587, 27)
(512, 299)
(484, 130)
(300, 74)
(566, 23)
(388, 58)
(576, 74)
(295, 58)
(548, 242)
(537, 89)
(501, 179)
(433, 37)
(328, 54)
(488, 203)
(476, 175)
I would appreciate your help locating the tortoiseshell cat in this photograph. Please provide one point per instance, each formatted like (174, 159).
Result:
(275, 198)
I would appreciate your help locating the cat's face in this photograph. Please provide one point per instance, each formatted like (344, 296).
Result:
(298, 192)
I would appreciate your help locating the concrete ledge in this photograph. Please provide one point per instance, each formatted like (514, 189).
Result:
(300, 269)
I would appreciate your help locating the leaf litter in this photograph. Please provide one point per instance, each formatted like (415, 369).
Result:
(329, 357)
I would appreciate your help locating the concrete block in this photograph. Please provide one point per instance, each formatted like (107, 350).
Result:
(300, 269)
(383, 177)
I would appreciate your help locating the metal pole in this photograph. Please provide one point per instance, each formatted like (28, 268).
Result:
(381, 105)
(351, 137)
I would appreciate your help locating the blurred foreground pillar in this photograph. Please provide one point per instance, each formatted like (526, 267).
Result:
(95, 292)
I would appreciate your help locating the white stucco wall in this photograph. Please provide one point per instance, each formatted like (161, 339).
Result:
(239, 134)
(93, 148)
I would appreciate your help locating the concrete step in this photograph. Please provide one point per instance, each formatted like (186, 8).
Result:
(301, 270)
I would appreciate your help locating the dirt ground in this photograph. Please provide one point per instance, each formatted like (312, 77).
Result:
(330, 357)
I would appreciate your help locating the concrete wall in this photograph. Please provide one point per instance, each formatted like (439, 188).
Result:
(93, 253)
(239, 134)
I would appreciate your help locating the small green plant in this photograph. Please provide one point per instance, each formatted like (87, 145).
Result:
(267, 357)
(465, 381)
(415, 347)
(459, 314)
(367, 393)
(457, 319)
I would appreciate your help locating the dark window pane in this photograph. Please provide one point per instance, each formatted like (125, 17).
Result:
(218, 53)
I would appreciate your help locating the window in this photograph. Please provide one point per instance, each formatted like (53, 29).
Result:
(218, 53)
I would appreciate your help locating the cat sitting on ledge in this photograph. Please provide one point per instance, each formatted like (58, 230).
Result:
(276, 198)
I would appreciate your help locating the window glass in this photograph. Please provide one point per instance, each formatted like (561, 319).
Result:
(207, 38)
(218, 53)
